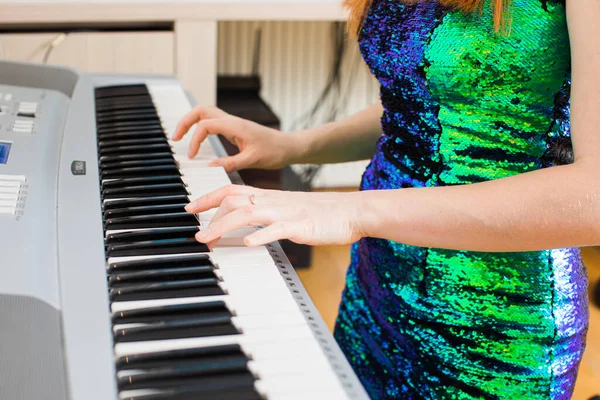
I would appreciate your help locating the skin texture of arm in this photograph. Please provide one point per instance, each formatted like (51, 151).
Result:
(549, 208)
(351, 139)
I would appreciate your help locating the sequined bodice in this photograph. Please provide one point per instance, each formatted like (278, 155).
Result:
(464, 103)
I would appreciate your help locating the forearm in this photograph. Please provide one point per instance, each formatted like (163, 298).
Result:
(550, 208)
(351, 139)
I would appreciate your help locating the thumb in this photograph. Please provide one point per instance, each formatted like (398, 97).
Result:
(232, 163)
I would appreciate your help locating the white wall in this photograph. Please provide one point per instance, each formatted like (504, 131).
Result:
(295, 63)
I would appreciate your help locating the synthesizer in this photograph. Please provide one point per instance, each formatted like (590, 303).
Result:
(104, 293)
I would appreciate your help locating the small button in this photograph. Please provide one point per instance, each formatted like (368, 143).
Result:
(10, 186)
(23, 124)
(8, 210)
(22, 130)
(14, 178)
(10, 196)
(10, 191)
(8, 97)
(7, 203)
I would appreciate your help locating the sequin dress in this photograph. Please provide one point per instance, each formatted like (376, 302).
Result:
(464, 104)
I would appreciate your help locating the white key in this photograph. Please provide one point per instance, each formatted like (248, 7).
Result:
(256, 305)
(115, 231)
(285, 335)
(246, 324)
(220, 256)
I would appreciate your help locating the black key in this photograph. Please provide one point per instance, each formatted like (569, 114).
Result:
(143, 109)
(113, 90)
(162, 275)
(141, 181)
(117, 103)
(136, 157)
(169, 189)
(238, 386)
(192, 260)
(131, 130)
(105, 144)
(136, 149)
(132, 135)
(115, 93)
(141, 116)
(148, 201)
(145, 210)
(191, 368)
(148, 360)
(167, 290)
(157, 247)
(147, 171)
(145, 119)
(105, 97)
(176, 219)
(107, 127)
(171, 312)
(138, 164)
(118, 96)
(177, 329)
(104, 109)
(152, 234)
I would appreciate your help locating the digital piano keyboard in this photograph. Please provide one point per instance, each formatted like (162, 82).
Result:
(104, 294)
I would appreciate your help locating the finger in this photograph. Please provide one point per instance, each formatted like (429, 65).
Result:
(272, 233)
(224, 126)
(230, 204)
(240, 218)
(215, 198)
(195, 115)
(200, 135)
(233, 163)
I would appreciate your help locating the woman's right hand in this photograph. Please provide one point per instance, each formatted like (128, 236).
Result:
(260, 146)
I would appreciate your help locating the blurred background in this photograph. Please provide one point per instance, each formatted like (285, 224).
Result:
(283, 64)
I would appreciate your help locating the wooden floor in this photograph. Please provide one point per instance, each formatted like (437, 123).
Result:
(325, 281)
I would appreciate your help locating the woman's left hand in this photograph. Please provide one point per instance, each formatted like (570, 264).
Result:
(306, 218)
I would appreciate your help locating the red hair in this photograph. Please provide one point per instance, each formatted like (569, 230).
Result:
(360, 8)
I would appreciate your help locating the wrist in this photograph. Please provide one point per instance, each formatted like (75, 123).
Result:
(298, 145)
(307, 146)
(371, 207)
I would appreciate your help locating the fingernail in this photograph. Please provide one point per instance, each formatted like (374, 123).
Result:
(200, 236)
(189, 207)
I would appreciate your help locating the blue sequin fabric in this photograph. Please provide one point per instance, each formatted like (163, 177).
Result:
(464, 104)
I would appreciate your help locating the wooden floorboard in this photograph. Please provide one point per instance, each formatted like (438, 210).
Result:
(325, 281)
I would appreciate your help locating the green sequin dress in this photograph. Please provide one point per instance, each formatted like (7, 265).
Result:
(464, 104)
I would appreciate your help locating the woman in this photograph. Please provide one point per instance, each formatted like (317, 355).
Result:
(452, 293)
